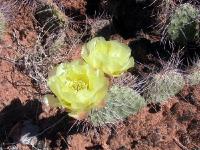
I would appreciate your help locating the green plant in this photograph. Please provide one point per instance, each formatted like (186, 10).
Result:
(162, 13)
(184, 26)
(56, 11)
(164, 85)
(125, 80)
(121, 103)
(51, 18)
(193, 78)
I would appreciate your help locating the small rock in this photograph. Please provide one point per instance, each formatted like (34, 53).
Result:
(28, 133)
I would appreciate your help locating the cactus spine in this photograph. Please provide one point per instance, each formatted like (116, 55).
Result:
(184, 26)
(164, 85)
(121, 103)
(193, 78)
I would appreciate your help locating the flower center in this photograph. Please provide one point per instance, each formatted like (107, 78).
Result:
(77, 85)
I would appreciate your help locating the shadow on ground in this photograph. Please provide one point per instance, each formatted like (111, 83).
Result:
(13, 116)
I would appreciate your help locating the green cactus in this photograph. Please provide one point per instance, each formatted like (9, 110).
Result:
(121, 102)
(193, 78)
(183, 26)
(164, 85)
(2, 24)
(51, 18)
(125, 80)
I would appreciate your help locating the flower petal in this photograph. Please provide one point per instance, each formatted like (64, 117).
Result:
(78, 87)
(112, 57)
(51, 101)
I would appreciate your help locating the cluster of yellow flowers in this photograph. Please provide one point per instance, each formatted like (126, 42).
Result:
(81, 85)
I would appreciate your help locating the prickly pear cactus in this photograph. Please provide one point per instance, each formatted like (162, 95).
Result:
(51, 18)
(193, 78)
(121, 102)
(183, 26)
(164, 85)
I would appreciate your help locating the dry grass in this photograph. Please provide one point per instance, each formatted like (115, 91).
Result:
(97, 24)
(163, 12)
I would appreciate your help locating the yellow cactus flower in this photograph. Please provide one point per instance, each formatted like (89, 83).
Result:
(78, 88)
(112, 57)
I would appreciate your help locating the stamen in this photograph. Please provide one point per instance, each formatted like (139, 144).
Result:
(77, 85)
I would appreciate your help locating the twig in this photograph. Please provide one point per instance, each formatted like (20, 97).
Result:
(180, 145)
